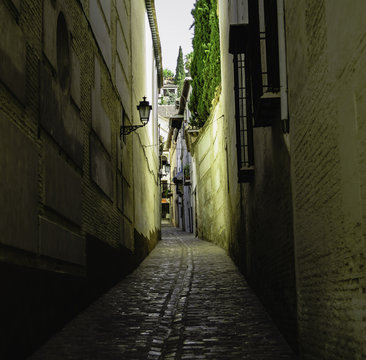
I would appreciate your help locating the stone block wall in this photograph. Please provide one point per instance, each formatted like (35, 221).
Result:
(69, 182)
(326, 71)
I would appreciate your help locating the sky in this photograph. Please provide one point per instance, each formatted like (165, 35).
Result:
(174, 20)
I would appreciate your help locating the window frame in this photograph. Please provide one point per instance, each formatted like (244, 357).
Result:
(239, 45)
(265, 74)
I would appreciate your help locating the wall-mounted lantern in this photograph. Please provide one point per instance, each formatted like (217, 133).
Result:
(165, 170)
(144, 109)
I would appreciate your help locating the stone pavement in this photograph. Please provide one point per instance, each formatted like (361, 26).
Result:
(187, 300)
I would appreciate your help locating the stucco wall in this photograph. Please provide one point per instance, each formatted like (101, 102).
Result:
(211, 182)
(326, 69)
(252, 221)
(146, 184)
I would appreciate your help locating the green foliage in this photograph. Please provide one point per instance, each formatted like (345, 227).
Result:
(186, 171)
(205, 66)
(171, 99)
(168, 74)
(188, 62)
(180, 74)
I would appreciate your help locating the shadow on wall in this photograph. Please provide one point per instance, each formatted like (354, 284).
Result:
(265, 247)
(34, 304)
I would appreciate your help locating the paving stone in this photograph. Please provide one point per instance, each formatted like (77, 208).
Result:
(187, 300)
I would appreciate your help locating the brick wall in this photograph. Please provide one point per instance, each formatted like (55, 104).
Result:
(68, 181)
(326, 68)
(267, 202)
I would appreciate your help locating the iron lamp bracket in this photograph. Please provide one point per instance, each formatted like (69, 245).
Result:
(128, 129)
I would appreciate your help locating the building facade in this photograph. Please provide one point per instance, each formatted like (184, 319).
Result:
(181, 207)
(327, 135)
(241, 156)
(80, 202)
(283, 153)
(168, 93)
(165, 111)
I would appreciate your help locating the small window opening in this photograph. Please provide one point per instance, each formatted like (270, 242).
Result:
(63, 52)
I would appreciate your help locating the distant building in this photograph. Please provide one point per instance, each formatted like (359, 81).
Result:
(181, 208)
(165, 111)
(168, 93)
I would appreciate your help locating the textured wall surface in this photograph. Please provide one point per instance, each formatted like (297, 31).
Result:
(79, 200)
(267, 203)
(326, 42)
(252, 221)
(258, 233)
(63, 97)
(211, 182)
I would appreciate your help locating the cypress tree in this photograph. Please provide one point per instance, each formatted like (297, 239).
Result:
(179, 72)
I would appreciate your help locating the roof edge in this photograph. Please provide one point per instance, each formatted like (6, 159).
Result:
(151, 14)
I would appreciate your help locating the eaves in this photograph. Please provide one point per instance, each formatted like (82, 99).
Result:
(151, 14)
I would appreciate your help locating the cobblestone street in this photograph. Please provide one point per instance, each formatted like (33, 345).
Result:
(187, 300)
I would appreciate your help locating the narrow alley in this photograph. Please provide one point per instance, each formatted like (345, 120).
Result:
(182, 179)
(187, 300)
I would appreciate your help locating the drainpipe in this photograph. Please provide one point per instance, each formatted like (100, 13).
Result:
(283, 71)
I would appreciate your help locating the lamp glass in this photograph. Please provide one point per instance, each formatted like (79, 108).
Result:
(144, 109)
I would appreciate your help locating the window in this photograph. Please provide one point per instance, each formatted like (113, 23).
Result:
(243, 116)
(63, 52)
(263, 52)
(164, 189)
(253, 41)
(239, 44)
(165, 185)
